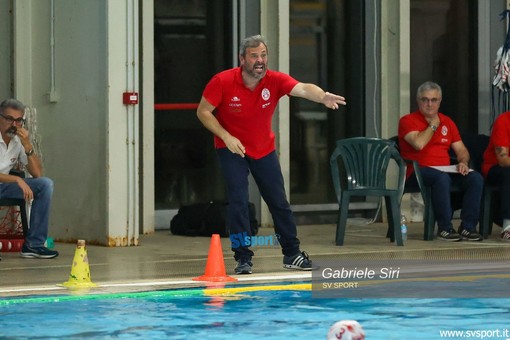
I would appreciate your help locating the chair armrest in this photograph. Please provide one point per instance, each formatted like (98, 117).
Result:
(402, 166)
(417, 173)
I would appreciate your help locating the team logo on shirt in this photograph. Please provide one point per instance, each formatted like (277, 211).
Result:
(444, 130)
(235, 104)
(266, 94)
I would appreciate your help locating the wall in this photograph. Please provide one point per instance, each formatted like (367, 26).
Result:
(89, 139)
(73, 125)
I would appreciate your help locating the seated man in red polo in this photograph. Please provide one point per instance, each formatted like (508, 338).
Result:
(426, 136)
(496, 167)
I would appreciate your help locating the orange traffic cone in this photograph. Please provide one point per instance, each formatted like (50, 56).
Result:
(215, 267)
(80, 272)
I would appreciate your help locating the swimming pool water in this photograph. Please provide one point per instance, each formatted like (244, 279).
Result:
(266, 314)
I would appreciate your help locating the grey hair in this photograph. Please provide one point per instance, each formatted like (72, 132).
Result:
(12, 104)
(250, 42)
(428, 86)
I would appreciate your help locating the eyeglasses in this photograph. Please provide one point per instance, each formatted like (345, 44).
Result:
(429, 100)
(11, 120)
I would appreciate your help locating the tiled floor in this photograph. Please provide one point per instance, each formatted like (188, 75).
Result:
(163, 258)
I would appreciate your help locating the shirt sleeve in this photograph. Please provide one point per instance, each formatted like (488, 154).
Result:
(406, 125)
(213, 91)
(499, 136)
(286, 82)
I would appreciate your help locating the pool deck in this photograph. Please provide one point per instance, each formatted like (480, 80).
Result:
(164, 260)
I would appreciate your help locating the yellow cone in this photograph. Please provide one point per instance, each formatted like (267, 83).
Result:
(80, 272)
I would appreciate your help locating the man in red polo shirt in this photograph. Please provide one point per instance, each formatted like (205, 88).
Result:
(237, 106)
(496, 167)
(426, 136)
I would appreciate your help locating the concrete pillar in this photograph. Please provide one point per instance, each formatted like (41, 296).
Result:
(22, 60)
(275, 27)
(147, 119)
(395, 64)
(123, 123)
(395, 71)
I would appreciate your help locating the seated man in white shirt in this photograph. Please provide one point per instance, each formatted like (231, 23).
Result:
(37, 191)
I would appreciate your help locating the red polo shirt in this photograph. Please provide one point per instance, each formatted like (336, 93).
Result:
(436, 151)
(500, 136)
(247, 114)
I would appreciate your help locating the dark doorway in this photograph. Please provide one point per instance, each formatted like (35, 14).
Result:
(443, 50)
(326, 48)
(192, 42)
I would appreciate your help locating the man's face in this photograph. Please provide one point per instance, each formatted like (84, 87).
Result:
(429, 102)
(254, 62)
(10, 121)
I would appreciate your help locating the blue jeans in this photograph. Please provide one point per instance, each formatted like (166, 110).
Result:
(268, 175)
(440, 183)
(499, 175)
(42, 188)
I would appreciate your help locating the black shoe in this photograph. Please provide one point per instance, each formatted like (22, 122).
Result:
(243, 267)
(469, 235)
(300, 261)
(505, 235)
(450, 235)
(38, 252)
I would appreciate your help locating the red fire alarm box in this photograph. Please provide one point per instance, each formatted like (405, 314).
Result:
(130, 98)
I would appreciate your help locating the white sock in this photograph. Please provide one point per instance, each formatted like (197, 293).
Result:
(506, 225)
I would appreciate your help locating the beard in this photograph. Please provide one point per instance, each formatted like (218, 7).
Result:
(11, 132)
(257, 71)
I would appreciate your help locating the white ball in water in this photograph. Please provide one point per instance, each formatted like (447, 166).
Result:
(346, 330)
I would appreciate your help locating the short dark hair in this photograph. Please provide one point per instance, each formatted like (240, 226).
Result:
(250, 42)
(12, 103)
(427, 86)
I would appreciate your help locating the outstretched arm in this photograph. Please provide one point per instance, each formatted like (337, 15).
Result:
(206, 116)
(316, 94)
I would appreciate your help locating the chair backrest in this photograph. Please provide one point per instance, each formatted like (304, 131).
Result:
(365, 162)
(476, 145)
(394, 139)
